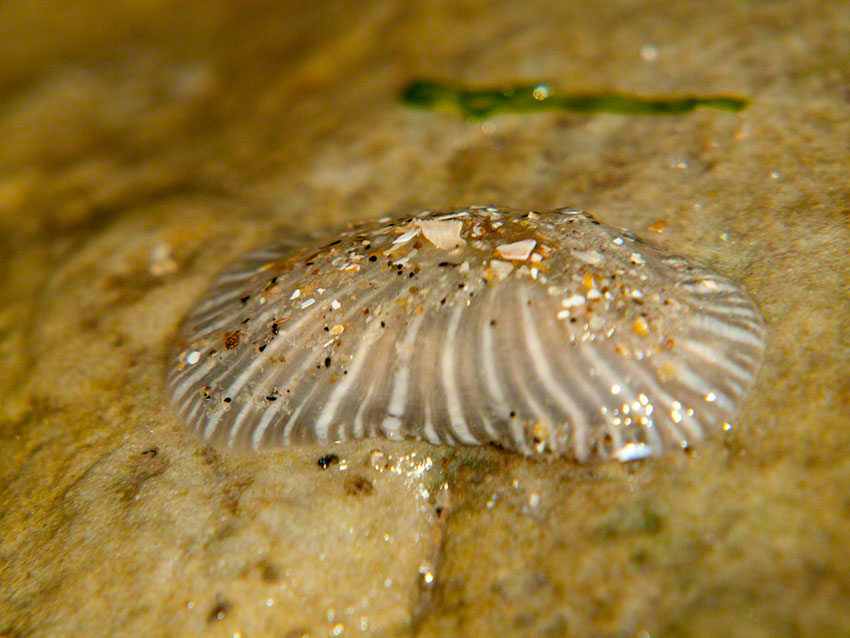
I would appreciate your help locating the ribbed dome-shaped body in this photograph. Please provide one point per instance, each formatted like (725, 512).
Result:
(547, 333)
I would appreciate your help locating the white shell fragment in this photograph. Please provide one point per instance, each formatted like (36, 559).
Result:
(444, 234)
(518, 250)
(545, 333)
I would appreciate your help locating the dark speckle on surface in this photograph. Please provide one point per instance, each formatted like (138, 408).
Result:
(219, 610)
(327, 460)
(357, 486)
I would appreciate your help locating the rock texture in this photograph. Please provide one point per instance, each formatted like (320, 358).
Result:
(147, 143)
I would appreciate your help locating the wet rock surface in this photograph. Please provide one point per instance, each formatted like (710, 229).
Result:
(144, 146)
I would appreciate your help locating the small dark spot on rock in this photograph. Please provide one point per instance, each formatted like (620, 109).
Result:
(233, 493)
(327, 460)
(271, 397)
(210, 456)
(261, 348)
(373, 258)
(274, 328)
(269, 572)
(492, 322)
(327, 362)
(357, 486)
(149, 464)
(245, 299)
(219, 610)
(227, 399)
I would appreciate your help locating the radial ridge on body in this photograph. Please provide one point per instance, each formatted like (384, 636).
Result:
(548, 333)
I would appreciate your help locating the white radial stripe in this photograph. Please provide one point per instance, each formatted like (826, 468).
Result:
(426, 362)
(661, 400)
(701, 387)
(574, 368)
(326, 416)
(244, 409)
(429, 431)
(219, 325)
(359, 429)
(231, 279)
(276, 348)
(736, 307)
(538, 359)
(483, 414)
(227, 313)
(252, 368)
(623, 377)
(320, 433)
(725, 330)
(739, 364)
(650, 432)
(224, 298)
(292, 421)
(191, 414)
(598, 391)
(267, 380)
(189, 382)
(447, 374)
(712, 357)
(228, 307)
(359, 426)
(487, 368)
(743, 320)
(516, 367)
(215, 304)
(261, 426)
(399, 397)
(714, 288)
(748, 358)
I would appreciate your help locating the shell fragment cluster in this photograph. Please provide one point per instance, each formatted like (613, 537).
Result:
(546, 333)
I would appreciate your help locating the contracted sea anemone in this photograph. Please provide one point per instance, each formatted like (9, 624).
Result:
(548, 333)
